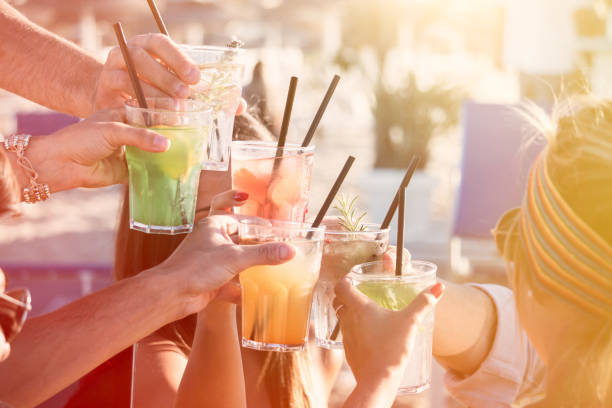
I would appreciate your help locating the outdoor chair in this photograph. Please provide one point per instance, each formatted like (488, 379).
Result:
(495, 164)
(43, 123)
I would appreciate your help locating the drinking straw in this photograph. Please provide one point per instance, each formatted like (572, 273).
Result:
(158, 17)
(332, 193)
(399, 256)
(282, 138)
(142, 101)
(406, 180)
(321, 111)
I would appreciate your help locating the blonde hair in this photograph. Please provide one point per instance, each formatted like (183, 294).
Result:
(579, 160)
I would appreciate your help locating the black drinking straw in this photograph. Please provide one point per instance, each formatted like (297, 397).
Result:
(414, 162)
(282, 137)
(142, 101)
(321, 110)
(332, 193)
(158, 17)
(399, 256)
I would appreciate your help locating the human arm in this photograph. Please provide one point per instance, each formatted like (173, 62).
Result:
(56, 349)
(214, 376)
(377, 359)
(464, 328)
(66, 160)
(55, 73)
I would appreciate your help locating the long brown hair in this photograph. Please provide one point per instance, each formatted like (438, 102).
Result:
(283, 375)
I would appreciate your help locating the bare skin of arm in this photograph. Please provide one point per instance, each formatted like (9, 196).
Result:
(465, 326)
(44, 67)
(49, 70)
(213, 376)
(56, 349)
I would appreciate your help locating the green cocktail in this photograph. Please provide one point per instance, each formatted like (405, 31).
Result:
(163, 186)
(379, 283)
(392, 296)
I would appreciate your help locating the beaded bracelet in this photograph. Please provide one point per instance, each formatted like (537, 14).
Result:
(36, 191)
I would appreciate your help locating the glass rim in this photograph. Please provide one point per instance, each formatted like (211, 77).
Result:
(286, 225)
(132, 103)
(213, 48)
(422, 275)
(263, 146)
(375, 230)
(27, 304)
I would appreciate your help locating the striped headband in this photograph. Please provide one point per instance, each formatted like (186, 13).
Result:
(565, 254)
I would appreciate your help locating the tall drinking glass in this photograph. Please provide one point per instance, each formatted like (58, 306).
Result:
(380, 284)
(276, 299)
(220, 87)
(164, 186)
(341, 251)
(278, 187)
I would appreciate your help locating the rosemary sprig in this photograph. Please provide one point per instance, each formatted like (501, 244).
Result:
(349, 219)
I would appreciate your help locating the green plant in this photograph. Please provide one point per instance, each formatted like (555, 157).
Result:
(349, 219)
(408, 117)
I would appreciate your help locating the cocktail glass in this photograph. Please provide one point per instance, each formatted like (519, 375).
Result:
(276, 299)
(380, 284)
(220, 87)
(342, 250)
(278, 187)
(163, 186)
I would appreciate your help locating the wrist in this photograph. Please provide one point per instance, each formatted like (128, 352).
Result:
(175, 302)
(375, 392)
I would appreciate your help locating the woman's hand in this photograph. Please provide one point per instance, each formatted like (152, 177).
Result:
(209, 258)
(378, 341)
(224, 202)
(87, 154)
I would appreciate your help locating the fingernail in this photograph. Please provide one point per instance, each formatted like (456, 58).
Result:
(193, 74)
(437, 290)
(285, 252)
(182, 91)
(161, 143)
(240, 196)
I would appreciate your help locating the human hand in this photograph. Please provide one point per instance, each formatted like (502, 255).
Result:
(377, 341)
(209, 258)
(224, 202)
(163, 69)
(88, 153)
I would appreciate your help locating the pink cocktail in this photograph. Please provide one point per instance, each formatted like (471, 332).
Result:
(278, 187)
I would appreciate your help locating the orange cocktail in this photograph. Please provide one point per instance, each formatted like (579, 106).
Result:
(276, 299)
(278, 187)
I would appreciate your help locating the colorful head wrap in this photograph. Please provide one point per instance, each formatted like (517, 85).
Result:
(565, 255)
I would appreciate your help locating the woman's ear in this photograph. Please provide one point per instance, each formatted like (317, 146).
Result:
(506, 233)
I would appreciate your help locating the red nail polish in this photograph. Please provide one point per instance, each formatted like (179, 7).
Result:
(437, 290)
(241, 196)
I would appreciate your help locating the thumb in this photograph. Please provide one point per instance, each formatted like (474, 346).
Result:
(273, 253)
(349, 295)
(424, 302)
(119, 134)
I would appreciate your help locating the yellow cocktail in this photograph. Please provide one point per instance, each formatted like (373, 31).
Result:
(276, 299)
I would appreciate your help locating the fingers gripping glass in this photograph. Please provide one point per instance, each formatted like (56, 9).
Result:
(14, 308)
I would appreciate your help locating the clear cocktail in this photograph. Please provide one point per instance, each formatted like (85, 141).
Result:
(276, 300)
(220, 87)
(278, 187)
(395, 293)
(342, 250)
(163, 186)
